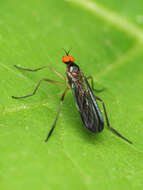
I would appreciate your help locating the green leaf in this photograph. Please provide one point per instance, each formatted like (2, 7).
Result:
(107, 44)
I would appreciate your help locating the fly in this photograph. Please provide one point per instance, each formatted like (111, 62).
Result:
(85, 99)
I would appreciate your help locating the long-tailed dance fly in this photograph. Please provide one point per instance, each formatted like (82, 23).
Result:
(85, 99)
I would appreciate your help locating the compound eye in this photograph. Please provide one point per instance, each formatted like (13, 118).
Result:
(66, 59)
(71, 58)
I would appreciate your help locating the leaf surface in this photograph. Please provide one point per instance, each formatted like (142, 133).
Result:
(106, 44)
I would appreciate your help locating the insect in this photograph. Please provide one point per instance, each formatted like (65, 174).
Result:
(85, 99)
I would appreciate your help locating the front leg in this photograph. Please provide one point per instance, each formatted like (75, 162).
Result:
(92, 84)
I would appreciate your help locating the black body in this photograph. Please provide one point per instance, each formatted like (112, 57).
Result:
(86, 101)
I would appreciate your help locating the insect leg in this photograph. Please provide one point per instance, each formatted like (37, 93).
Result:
(59, 109)
(108, 124)
(92, 84)
(37, 69)
(37, 86)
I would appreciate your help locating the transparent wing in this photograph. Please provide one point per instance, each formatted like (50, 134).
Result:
(88, 107)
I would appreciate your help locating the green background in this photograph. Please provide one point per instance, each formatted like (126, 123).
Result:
(107, 42)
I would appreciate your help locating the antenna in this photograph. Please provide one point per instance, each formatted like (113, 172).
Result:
(67, 52)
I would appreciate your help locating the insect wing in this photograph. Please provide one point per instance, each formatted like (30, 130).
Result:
(88, 107)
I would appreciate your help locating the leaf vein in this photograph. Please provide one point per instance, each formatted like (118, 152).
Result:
(113, 18)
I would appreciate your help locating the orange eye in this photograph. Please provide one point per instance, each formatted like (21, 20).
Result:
(71, 58)
(68, 58)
